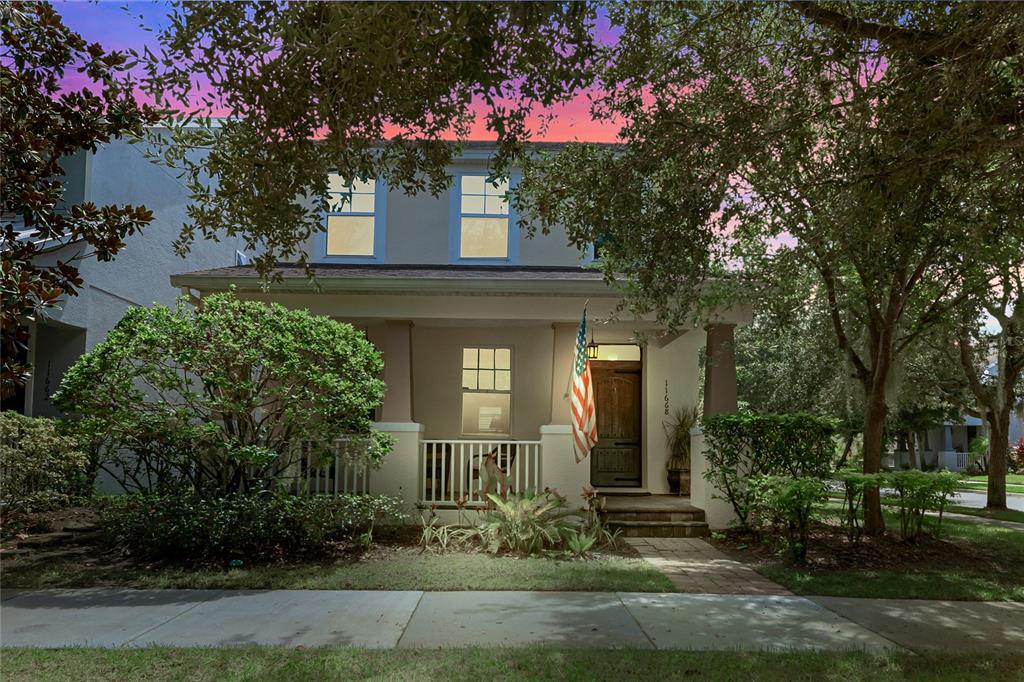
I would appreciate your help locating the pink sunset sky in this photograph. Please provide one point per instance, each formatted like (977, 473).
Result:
(126, 25)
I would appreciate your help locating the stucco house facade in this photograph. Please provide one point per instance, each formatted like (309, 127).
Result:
(477, 325)
(117, 173)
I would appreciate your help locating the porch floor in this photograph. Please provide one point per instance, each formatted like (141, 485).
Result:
(648, 503)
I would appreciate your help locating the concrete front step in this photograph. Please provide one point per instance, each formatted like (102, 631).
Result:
(660, 516)
(661, 529)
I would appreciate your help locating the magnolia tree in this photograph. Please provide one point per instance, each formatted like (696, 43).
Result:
(224, 396)
(41, 123)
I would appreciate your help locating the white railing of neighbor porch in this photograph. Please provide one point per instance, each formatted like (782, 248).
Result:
(954, 461)
(346, 473)
(450, 470)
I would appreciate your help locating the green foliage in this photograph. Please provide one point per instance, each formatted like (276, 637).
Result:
(183, 527)
(345, 75)
(1015, 458)
(43, 121)
(677, 432)
(766, 141)
(40, 467)
(916, 492)
(741, 446)
(222, 396)
(854, 485)
(791, 502)
(977, 457)
(528, 523)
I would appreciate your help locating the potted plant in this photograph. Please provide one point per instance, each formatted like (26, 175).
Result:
(677, 430)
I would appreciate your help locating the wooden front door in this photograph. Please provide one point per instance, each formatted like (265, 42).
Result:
(615, 460)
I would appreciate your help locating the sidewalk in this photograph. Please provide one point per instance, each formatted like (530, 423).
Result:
(310, 618)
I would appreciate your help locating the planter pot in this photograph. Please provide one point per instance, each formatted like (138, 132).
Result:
(679, 482)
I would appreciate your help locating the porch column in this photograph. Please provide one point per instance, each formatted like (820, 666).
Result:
(720, 369)
(397, 353)
(399, 474)
(719, 398)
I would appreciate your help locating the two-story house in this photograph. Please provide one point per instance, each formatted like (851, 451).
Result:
(117, 173)
(477, 325)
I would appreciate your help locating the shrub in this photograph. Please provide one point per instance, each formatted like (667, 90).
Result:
(40, 466)
(916, 492)
(528, 523)
(1015, 461)
(977, 456)
(183, 527)
(743, 445)
(220, 397)
(793, 503)
(854, 485)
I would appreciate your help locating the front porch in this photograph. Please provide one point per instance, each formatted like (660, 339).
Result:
(477, 365)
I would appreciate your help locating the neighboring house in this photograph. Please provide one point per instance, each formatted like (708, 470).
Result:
(477, 325)
(117, 173)
(948, 446)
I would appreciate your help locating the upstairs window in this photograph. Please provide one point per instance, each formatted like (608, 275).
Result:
(483, 218)
(351, 218)
(486, 390)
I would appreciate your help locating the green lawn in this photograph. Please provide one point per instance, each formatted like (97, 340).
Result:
(1014, 483)
(999, 576)
(1002, 515)
(398, 569)
(472, 665)
(1010, 478)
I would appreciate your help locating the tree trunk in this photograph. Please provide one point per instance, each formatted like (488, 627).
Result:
(998, 445)
(847, 449)
(911, 450)
(874, 430)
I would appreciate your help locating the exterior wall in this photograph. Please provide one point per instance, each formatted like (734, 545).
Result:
(417, 230)
(118, 173)
(437, 377)
(670, 383)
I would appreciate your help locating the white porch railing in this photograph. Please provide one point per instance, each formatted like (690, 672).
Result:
(944, 459)
(454, 470)
(346, 473)
(954, 461)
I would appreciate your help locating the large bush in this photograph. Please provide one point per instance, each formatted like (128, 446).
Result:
(743, 445)
(40, 466)
(186, 528)
(220, 397)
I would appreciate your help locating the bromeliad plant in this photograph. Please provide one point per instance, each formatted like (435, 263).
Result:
(217, 398)
(528, 523)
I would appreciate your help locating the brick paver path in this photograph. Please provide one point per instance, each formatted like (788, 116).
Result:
(695, 566)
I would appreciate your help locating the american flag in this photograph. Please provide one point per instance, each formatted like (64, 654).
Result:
(584, 417)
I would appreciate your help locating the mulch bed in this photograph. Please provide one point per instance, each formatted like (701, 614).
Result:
(830, 550)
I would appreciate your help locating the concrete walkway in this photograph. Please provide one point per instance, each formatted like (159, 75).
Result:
(185, 618)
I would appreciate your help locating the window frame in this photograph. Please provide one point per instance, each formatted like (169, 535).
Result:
(380, 193)
(509, 392)
(455, 223)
